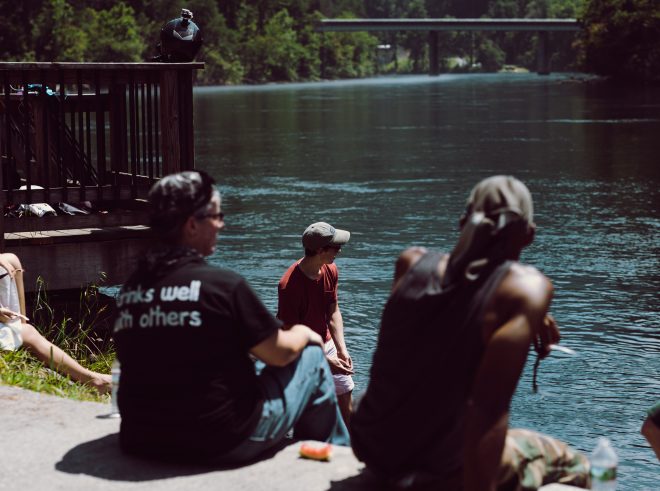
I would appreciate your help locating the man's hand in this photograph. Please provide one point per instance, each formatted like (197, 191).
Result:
(339, 367)
(548, 334)
(345, 358)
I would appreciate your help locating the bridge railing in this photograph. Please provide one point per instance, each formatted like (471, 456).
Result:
(434, 26)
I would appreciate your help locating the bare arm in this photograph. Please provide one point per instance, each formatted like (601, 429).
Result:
(522, 301)
(336, 328)
(651, 432)
(285, 345)
(405, 261)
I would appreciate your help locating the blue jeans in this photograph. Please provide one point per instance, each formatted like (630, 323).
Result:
(300, 396)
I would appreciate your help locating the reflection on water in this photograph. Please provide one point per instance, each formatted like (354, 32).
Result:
(392, 160)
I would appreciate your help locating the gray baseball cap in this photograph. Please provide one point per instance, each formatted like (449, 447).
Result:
(321, 234)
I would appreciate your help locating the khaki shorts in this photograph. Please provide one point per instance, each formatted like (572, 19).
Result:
(531, 459)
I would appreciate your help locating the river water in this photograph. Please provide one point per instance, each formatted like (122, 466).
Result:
(393, 159)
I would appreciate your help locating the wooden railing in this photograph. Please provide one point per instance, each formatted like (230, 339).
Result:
(93, 133)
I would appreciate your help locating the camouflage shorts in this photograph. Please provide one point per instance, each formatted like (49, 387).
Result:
(530, 460)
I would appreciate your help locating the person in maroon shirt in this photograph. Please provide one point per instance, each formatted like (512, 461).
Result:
(307, 294)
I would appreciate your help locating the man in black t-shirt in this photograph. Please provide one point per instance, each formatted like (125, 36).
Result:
(454, 337)
(214, 403)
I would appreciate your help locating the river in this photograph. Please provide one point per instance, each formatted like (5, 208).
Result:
(393, 159)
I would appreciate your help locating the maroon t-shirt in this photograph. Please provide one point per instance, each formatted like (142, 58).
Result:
(302, 300)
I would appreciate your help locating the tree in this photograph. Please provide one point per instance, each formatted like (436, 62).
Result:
(16, 39)
(58, 35)
(113, 35)
(275, 53)
(621, 39)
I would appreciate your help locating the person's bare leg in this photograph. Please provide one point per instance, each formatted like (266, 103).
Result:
(345, 403)
(46, 352)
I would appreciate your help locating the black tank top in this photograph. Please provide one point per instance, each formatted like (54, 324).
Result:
(429, 348)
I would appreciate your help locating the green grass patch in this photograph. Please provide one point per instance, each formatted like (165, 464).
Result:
(80, 324)
(21, 369)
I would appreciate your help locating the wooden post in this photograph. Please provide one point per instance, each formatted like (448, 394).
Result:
(170, 122)
(118, 128)
(186, 128)
(434, 62)
(542, 59)
(42, 162)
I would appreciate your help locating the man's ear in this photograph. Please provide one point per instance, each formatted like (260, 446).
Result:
(190, 227)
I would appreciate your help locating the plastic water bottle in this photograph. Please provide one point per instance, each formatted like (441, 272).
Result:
(603, 466)
(115, 372)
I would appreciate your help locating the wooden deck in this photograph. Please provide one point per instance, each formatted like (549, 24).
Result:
(99, 136)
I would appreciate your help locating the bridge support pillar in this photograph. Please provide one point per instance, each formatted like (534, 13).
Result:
(434, 62)
(542, 58)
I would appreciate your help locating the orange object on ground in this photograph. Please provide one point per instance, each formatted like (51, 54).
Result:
(316, 450)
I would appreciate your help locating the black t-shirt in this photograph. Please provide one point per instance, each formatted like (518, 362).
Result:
(188, 388)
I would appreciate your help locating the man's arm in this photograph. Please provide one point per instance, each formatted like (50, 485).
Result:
(285, 345)
(288, 300)
(405, 261)
(651, 432)
(522, 302)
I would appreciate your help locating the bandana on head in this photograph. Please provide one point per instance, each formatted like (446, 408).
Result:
(496, 208)
(176, 197)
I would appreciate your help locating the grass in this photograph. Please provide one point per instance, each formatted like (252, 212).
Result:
(77, 322)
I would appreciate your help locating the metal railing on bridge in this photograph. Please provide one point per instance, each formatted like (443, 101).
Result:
(433, 26)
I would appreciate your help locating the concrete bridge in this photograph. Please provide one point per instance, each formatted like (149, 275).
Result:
(433, 26)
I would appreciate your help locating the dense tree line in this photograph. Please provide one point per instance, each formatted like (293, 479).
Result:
(257, 41)
(622, 39)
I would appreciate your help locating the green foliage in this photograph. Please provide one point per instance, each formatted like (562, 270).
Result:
(258, 41)
(489, 55)
(622, 39)
(348, 54)
(113, 35)
(273, 54)
(80, 326)
(58, 38)
(21, 369)
(62, 34)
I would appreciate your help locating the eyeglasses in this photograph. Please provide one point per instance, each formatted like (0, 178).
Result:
(215, 216)
(334, 247)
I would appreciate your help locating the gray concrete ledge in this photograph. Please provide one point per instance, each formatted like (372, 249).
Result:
(50, 443)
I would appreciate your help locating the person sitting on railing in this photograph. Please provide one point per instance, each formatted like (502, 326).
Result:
(16, 332)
